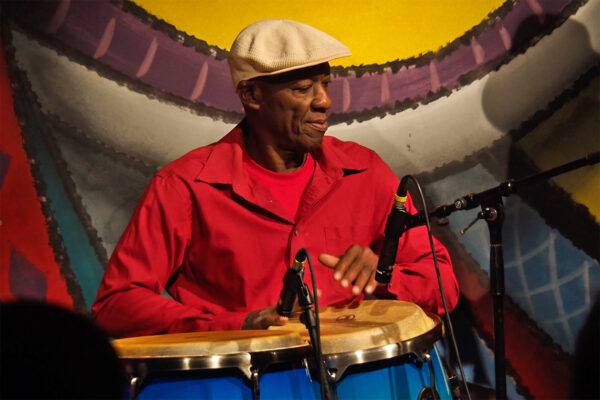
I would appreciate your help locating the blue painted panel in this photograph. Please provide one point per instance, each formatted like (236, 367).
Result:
(552, 280)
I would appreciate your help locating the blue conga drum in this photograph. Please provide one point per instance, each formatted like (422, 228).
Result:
(375, 349)
(380, 349)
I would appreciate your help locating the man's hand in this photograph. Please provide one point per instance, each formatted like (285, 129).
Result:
(356, 266)
(262, 319)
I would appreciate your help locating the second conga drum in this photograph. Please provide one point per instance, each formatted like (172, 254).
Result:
(216, 365)
(380, 349)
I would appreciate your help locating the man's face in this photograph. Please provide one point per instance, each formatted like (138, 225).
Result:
(293, 107)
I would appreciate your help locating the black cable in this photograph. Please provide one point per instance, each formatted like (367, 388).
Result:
(441, 286)
(325, 389)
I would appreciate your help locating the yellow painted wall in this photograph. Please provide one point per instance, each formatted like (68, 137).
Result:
(376, 31)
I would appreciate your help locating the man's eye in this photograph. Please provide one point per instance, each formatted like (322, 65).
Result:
(303, 89)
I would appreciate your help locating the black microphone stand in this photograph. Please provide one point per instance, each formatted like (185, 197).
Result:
(309, 319)
(294, 279)
(492, 210)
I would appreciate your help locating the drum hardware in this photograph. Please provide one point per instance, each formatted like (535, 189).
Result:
(419, 346)
(250, 364)
(429, 392)
(306, 368)
(133, 387)
(456, 385)
(390, 361)
(255, 383)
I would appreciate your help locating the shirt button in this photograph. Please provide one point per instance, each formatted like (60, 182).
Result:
(296, 233)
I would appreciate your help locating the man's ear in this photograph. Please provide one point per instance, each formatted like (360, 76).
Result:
(249, 93)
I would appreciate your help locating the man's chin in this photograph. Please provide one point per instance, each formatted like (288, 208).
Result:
(312, 143)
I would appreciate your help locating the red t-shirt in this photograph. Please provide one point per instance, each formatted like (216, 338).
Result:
(286, 188)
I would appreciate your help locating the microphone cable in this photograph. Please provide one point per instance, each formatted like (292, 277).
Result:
(439, 278)
(325, 388)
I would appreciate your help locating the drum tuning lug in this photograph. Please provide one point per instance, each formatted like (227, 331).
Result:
(331, 374)
(255, 384)
(133, 387)
(422, 355)
(427, 393)
(306, 368)
(137, 375)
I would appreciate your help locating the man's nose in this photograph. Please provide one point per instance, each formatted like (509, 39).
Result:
(322, 101)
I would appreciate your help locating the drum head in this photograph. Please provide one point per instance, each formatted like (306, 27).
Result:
(203, 344)
(366, 325)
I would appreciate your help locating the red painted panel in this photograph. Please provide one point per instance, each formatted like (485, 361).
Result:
(23, 226)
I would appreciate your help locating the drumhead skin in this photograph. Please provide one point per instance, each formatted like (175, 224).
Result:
(200, 344)
(366, 325)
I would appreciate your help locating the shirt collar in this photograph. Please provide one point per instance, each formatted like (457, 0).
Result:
(225, 162)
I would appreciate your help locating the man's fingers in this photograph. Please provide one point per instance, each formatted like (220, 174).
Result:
(278, 320)
(332, 262)
(372, 285)
(365, 275)
(355, 268)
(262, 319)
(328, 260)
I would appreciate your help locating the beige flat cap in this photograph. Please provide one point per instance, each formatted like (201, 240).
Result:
(273, 46)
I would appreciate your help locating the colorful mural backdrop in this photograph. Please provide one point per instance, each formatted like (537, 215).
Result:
(96, 96)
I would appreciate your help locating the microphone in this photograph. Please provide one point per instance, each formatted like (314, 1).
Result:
(394, 227)
(292, 280)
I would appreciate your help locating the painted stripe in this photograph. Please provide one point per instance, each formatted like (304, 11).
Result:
(59, 16)
(478, 51)
(345, 95)
(148, 59)
(385, 87)
(537, 9)
(505, 36)
(223, 97)
(106, 39)
(434, 77)
(200, 82)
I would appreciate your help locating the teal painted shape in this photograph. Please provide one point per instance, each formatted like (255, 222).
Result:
(83, 259)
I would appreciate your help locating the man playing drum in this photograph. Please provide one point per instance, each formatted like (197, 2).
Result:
(218, 227)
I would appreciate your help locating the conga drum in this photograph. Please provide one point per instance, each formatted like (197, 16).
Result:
(217, 365)
(376, 349)
(380, 349)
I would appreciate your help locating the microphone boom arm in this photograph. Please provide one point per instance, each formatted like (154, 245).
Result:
(505, 189)
(492, 210)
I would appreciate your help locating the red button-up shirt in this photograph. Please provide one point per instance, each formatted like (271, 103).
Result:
(219, 243)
